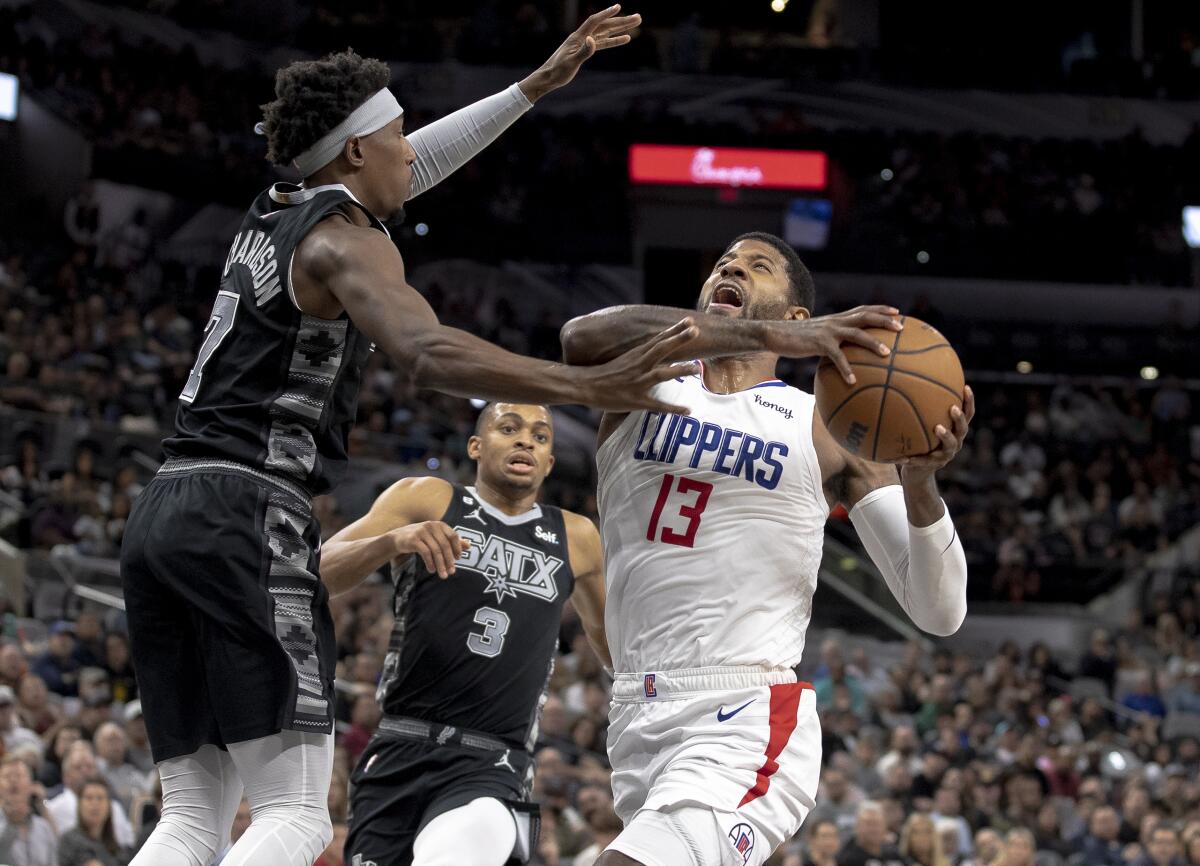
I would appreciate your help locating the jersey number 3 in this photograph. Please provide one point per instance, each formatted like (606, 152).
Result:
(495, 625)
(219, 325)
(691, 511)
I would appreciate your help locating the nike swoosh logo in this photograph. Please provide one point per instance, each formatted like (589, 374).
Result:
(723, 716)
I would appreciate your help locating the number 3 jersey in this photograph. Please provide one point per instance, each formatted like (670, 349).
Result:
(271, 387)
(476, 650)
(713, 525)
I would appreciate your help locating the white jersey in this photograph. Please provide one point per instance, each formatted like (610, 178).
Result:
(713, 528)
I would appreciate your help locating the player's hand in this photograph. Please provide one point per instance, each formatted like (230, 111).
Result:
(624, 383)
(435, 542)
(825, 335)
(950, 441)
(603, 30)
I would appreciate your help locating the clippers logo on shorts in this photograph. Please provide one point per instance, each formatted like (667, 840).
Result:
(648, 686)
(685, 440)
(510, 568)
(742, 837)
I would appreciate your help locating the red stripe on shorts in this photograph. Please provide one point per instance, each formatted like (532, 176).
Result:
(785, 702)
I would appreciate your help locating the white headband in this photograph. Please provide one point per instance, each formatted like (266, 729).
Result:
(374, 114)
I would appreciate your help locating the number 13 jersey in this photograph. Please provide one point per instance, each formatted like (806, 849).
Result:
(713, 526)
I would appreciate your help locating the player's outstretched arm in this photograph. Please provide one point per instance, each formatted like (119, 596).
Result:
(404, 520)
(362, 269)
(903, 522)
(604, 334)
(587, 562)
(445, 145)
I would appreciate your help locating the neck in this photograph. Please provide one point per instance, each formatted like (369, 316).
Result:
(738, 372)
(511, 502)
(330, 175)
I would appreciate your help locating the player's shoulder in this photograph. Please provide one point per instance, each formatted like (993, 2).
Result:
(337, 241)
(579, 525)
(429, 492)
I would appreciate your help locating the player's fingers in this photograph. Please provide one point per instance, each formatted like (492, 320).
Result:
(612, 42)
(594, 20)
(450, 543)
(948, 439)
(870, 319)
(959, 417)
(671, 340)
(438, 550)
(673, 371)
(838, 357)
(423, 550)
(862, 338)
(969, 403)
(620, 24)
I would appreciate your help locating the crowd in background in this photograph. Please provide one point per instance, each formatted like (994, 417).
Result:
(975, 205)
(930, 757)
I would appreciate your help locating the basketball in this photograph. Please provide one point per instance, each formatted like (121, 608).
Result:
(892, 409)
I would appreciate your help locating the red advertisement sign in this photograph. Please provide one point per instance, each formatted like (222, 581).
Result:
(727, 166)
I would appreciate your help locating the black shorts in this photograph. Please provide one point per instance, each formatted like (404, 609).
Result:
(400, 786)
(230, 628)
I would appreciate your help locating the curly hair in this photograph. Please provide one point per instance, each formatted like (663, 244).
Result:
(314, 96)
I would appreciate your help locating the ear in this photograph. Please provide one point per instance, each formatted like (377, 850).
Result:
(352, 150)
(474, 447)
(550, 465)
(796, 314)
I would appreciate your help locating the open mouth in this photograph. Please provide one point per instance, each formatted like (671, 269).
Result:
(727, 294)
(522, 463)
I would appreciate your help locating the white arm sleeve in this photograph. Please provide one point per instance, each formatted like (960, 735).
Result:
(925, 567)
(445, 145)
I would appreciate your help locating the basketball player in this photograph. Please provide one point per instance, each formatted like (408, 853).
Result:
(712, 527)
(231, 634)
(470, 657)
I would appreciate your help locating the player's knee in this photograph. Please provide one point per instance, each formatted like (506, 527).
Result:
(188, 834)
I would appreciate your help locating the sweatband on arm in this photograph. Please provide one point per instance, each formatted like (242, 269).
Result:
(924, 566)
(445, 145)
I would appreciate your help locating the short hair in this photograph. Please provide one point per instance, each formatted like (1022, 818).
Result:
(489, 411)
(314, 96)
(803, 291)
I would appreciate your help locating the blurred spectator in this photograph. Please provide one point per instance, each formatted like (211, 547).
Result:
(920, 844)
(93, 838)
(58, 666)
(79, 766)
(1100, 846)
(13, 735)
(125, 781)
(26, 838)
(869, 847)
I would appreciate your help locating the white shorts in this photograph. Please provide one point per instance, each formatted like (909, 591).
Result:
(730, 756)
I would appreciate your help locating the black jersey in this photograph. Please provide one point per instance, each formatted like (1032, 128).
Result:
(476, 650)
(272, 387)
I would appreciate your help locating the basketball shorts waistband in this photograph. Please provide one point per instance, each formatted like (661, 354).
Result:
(691, 682)
(176, 466)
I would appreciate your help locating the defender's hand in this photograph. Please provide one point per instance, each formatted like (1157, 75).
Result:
(824, 335)
(949, 444)
(624, 383)
(600, 31)
(435, 542)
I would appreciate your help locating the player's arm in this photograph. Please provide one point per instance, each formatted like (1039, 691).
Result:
(405, 519)
(362, 269)
(445, 145)
(903, 522)
(605, 334)
(587, 562)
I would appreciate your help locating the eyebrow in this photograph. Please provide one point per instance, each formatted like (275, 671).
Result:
(514, 415)
(756, 257)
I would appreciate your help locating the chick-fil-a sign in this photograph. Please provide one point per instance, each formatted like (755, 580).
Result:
(727, 166)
